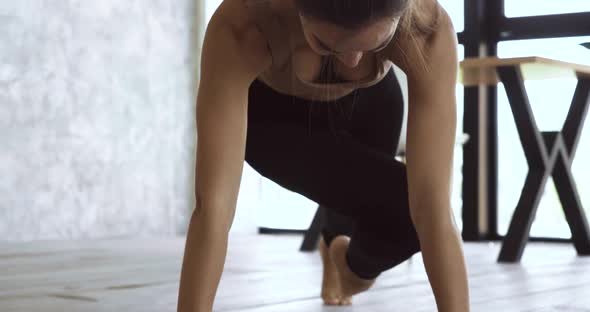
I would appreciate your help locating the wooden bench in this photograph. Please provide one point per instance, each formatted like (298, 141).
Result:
(548, 153)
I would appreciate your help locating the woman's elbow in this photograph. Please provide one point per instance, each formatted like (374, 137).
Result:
(433, 218)
(217, 210)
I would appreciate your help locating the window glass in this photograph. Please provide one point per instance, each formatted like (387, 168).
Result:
(456, 12)
(564, 49)
(515, 8)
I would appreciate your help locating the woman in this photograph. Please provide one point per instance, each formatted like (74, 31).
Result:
(303, 90)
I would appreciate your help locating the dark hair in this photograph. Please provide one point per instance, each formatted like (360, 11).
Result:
(351, 14)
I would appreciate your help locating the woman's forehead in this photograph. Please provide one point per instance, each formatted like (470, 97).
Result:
(367, 38)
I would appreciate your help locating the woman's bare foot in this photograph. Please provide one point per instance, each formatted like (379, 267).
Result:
(350, 283)
(331, 292)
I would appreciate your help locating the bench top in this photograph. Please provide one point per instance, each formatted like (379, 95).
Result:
(476, 71)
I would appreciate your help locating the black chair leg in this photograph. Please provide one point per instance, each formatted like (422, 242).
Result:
(312, 235)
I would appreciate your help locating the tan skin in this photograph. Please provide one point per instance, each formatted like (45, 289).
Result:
(234, 54)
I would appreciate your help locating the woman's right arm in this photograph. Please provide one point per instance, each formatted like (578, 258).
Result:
(233, 56)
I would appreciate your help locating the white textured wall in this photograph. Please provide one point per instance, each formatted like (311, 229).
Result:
(97, 117)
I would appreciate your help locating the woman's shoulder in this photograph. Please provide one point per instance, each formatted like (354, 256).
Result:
(242, 14)
(416, 33)
(426, 17)
(237, 14)
(237, 19)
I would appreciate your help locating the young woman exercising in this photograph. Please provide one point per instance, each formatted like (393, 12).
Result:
(304, 91)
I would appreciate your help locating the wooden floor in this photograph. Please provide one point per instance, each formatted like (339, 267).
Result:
(268, 274)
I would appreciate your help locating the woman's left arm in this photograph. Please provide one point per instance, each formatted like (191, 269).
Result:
(430, 144)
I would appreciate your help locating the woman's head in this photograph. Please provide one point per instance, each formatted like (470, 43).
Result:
(349, 28)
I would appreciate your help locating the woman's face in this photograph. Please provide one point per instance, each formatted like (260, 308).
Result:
(348, 46)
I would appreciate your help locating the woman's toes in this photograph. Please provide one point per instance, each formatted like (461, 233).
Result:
(329, 300)
(346, 301)
(350, 283)
(331, 293)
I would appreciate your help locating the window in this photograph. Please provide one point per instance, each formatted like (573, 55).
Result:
(455, 8)
(515, 8)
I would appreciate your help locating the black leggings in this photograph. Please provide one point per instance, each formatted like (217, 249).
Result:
(340, 154)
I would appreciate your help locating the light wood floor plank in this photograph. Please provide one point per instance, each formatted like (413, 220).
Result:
(269, 274)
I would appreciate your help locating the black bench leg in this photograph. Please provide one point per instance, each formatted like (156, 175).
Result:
(562, 176)
(522, 220)
(312, 235)
(547, 153)
(572, 206)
